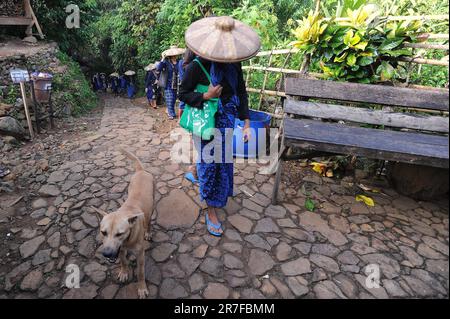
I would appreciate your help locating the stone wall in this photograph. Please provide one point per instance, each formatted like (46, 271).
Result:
(15, 54)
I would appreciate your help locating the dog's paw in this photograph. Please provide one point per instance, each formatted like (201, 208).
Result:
(142, 292)
(147, 236)
(123, 275)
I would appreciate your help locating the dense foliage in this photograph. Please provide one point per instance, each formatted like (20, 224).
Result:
(362, 49)
(116, 35)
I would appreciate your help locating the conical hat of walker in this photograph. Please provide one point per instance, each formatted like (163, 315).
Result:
(129, 72)
(149, 67)
(173, 51)
(114, 74)
(222, 39)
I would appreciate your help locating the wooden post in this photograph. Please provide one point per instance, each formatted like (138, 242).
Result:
(27, 113)
(35, 108)
(29, 15)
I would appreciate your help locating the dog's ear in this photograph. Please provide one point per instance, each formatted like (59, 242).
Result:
(99, 211)
(133, 218)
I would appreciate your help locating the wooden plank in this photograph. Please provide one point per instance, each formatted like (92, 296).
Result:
(365, 115)
(368, 93)
(15, 21)
(415, 148)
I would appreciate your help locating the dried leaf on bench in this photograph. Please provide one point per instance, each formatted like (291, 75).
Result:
(367, 200)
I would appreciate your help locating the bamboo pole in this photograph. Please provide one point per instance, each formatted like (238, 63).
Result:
(27, 112)
(266, 74)
(403, 18)
(247, 80)
(427, 46)
(267, 92)
(278, 51)
(424, 61)
(439, 36)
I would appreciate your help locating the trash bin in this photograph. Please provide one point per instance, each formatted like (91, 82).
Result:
(258, 120)
(42, 83)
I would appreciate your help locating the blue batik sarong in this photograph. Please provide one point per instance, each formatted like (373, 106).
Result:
(216, 177)
(131, 90)
(171, 97)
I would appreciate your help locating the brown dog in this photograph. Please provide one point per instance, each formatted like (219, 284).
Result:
(128, 227)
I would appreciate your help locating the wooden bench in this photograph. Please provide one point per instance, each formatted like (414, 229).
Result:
(332, 127)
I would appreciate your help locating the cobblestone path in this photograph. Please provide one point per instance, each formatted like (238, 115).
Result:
(267, 251)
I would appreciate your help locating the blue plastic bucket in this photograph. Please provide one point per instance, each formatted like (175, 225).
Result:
(258, 120)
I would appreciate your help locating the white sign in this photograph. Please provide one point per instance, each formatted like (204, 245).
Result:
(18, 75)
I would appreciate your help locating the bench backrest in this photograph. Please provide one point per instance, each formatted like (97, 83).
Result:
(437, 100)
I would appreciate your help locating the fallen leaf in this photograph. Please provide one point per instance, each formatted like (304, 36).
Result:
(309, 205)
(367, 200)
(368, 189)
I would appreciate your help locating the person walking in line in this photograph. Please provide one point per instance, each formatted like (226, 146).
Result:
(130, 83)
(122, 84)
(114, 78)
(219, 67)
(188, 57)
(95, 82)
(150, 83)
(168, 79)
(104, 82)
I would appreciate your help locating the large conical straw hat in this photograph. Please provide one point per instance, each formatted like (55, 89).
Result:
(114, 74)
(222, 39)
(149, 67)
(173, 51)
(129, 72)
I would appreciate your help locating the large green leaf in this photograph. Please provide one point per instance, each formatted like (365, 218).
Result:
(399, 52)
(351, 59)
(386, 71)
(390, 44)
(365, 60)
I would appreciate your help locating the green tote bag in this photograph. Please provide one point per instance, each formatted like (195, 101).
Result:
(201, 122)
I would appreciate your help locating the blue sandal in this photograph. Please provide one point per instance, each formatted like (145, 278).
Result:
(210, 224)
(190, 177)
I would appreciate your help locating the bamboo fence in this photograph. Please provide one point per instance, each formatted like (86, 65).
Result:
(277, 93)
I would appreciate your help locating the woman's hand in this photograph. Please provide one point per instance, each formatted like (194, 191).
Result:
(246, 132)
(213, 92)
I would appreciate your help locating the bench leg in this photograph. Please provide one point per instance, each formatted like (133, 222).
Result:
(277, 182)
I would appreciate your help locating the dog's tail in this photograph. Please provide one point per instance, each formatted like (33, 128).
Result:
(137, 163)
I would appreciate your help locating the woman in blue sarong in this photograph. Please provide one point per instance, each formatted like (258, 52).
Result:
(150, 83)
(215, 171)
(169, 75)
(122, 84)
(131, 83)
(114, 79)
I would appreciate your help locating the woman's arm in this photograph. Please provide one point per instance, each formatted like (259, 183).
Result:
(161, 65)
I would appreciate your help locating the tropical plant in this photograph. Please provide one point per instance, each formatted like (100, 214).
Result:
(362, 48)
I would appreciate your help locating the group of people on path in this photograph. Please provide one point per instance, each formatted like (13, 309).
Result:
(119, 84)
